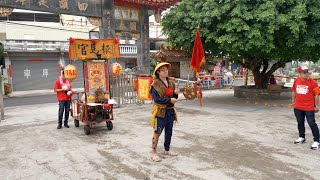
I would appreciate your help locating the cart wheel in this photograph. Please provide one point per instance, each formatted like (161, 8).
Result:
(76, 123)
(109, 125)
(140, 102)
(87, 130)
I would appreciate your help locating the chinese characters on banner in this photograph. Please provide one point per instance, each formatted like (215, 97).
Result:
(43, 3)
(71, 72)
(74, 7)
(27, 73)
(22, 2)
(45, 73)
(82, 6)
(94, 49)
(63, 4)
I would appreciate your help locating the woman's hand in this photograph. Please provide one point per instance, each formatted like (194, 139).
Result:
(173, 100)
(176, 91)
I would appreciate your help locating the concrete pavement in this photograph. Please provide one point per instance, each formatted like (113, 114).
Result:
(37, 92)
(225, 139)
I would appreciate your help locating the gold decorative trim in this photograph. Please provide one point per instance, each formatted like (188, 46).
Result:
(124, 13)
(157, 16)
(96, 21)
(133, 26)
(5, 11)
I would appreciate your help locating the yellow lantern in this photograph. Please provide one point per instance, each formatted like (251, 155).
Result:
(115, 69)
(70, 72)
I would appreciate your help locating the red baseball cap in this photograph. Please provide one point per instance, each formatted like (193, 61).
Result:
(303, 69)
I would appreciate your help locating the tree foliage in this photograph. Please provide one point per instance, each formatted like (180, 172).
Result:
(153, 64)
(251, 32)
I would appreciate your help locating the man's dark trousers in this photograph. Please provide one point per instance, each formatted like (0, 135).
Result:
(64, 106)
(300, 115)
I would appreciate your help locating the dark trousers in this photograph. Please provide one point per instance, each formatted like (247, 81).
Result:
(166, 124)
(64, 106)
(301, 115)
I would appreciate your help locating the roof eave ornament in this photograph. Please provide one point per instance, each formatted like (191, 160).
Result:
(157, 15)
(5, 11)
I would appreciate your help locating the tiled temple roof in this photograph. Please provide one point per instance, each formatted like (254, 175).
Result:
(168, 52)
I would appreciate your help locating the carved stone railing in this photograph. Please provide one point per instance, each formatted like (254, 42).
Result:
(52, 46)
(126, 49)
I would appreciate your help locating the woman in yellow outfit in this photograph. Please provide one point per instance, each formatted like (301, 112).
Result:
(165, 94)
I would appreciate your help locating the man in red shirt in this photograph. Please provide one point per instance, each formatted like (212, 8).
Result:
(305, 99)
(64, 92)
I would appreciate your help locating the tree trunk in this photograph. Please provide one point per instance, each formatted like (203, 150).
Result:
(261, 82)
(245, 77)
(261, 78)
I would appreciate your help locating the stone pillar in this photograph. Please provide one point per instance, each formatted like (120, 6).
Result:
(107, 29)
(143, 55)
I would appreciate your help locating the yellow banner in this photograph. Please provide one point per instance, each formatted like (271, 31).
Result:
(143, 88)
(96, 75)
(81, 49)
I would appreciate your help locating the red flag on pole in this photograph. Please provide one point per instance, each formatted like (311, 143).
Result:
(197, 53)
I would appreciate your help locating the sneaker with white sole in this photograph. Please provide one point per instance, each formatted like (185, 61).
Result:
(315, 145)
(300, 140)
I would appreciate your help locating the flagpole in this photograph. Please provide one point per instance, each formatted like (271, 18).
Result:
(188, 77)
(198, 57)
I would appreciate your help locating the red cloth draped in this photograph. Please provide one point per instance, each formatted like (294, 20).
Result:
(197, 54)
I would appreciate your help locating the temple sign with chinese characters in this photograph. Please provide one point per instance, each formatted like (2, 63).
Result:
(94, 49)
(91, 8)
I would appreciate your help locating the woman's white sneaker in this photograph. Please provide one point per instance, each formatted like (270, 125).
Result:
(300, 140)
(315, 145)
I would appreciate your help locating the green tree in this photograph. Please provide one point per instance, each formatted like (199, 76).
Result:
(153, 63)
(253, 33)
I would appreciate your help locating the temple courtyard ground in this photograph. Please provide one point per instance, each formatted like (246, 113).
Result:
(225, 139)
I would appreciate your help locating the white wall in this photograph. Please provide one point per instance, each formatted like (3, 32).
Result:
(155, 29)
(2, 27)
(44, 31)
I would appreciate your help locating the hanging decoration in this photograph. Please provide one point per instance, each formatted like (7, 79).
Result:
(189, 92)
(115, 69)
(70, 72)
(143, 85)
(84, 49)
(157, 16)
